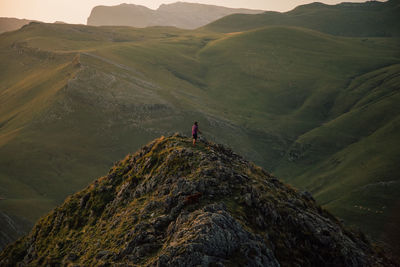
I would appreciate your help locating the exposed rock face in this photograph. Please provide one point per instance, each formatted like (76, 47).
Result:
(180, 15)
(212, 235)
(172, 204)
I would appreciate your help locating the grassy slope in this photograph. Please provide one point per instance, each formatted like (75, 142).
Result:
(91, 95)
(347, 19)
(350, 161)
(267, 79)
(28, 86)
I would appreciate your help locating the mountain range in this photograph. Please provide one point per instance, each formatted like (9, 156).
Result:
(181, 15)
(317, 109)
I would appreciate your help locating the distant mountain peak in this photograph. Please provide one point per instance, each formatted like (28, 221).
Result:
(173, 204)
(179, 14)
(12, 24)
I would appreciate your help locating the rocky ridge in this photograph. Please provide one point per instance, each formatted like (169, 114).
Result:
(172, 204)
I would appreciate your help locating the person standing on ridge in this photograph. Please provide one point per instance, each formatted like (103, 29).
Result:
(195, 131)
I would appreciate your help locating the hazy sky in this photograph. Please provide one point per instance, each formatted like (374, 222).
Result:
(77, 11)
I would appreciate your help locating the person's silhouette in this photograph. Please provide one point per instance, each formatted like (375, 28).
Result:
(195, 131)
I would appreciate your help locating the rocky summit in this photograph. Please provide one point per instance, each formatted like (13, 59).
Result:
(175, 204)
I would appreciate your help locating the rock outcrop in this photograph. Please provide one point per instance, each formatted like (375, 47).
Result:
(172, 204)
(181, 15)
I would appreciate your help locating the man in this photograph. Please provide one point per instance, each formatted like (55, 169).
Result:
(195, 131)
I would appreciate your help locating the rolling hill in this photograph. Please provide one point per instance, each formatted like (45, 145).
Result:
(371, 18)
(318, 110)
(180, 14)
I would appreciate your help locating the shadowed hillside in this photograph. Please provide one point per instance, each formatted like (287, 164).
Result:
(371, 18)
(173, 204)
(12, 228)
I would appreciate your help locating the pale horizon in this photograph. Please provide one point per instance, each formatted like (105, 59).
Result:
(68, 11)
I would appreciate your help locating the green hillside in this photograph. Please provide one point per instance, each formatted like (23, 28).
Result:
(372, 18)
(318, 110)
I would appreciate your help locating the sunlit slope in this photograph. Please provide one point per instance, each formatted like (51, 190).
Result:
(83, 97)
(372, 18)
(30, 79)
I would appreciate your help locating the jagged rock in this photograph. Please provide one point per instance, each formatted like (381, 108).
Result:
(172, 204)
(210, 236)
